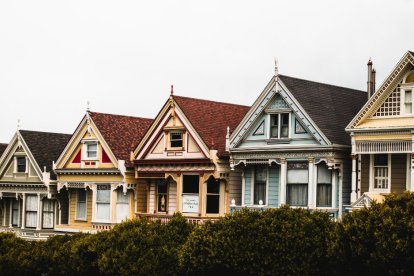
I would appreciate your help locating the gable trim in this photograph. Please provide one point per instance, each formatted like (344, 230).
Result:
(376, 99)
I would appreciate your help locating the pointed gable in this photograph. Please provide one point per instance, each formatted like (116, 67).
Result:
(386, 101)
(45, 147)
(330, 107)
(121, 133)
(211, 119)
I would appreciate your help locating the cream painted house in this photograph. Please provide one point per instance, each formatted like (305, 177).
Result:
(382, 136)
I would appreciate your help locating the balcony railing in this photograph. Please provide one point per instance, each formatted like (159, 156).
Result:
(101, 226)
(164, 218)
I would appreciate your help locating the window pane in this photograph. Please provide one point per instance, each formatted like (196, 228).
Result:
(121, 197)
(92, 150)
(324, 195)
(213, 186)
(190, 184)
(381, 160)
(47, 205)
(103, 196)
(297, 194)
(176, 139)
(31, 219)
(21, 164)
(324, 174)
(102, 211)
(213, 204)
(284, 129)
(274, 126)
(162, 187)
(297, 176)
(81, 210)
(81, 195)
(31, 203)
(260, 179)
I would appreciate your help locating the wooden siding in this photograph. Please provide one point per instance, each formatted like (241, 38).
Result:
(248, 185)
(78, 224)
(234, 188)
(172, 197)
(142, 189)
(365, 173)
(398, 173)
(274, 172)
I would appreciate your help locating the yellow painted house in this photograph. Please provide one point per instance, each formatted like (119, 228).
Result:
(382, 136)
(95, 174)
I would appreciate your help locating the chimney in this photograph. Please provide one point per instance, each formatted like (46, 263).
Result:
(369, 82)
(373, 81)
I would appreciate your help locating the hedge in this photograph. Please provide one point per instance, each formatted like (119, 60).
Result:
(284, 241)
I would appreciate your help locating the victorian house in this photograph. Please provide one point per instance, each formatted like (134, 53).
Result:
(29, 202)
(95, 175)
(291, 147)
(182, 162)
(382, 136)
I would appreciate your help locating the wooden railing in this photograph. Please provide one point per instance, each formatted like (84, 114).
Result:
(383, 147)
(101, 226)
(164, 218)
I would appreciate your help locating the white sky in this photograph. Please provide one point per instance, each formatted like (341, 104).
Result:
(123, 55)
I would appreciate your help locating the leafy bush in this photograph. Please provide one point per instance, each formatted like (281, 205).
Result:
(377, 240)
(275, 242)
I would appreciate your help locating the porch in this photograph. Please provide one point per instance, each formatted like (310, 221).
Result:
(165, 218)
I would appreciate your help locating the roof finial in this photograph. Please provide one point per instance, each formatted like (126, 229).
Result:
(369, 61)
(18, 124)
(88, 103)
(276, 68)
(172, 89)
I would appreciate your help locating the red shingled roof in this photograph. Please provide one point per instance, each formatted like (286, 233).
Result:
(122, 133)
(211, 119)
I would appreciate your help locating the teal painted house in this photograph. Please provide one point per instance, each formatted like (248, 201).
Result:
(291, 147)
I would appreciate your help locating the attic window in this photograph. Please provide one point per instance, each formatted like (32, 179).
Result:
(21, 164)
(176, 139)
(91, 151)
(410, 78)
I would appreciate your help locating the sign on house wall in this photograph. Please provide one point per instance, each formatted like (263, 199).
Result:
(190, 203)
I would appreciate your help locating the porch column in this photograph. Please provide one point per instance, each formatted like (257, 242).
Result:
(11, 213)
(353, 189)
(311, 188)
(412, 172)
(24, 212)
(39, 212)
(4, 211)
(282, 195)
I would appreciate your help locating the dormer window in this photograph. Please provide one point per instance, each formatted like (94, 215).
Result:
(279, 125)
(91, 151)
(176, 139)
(21, 164)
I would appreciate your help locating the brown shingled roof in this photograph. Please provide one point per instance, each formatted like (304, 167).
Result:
(330, 107)
(211, 119)
(2, 148)
(45, 147)
(122, 133)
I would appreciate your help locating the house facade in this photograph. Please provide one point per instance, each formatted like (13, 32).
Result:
(182, 160)
(95, 175)
(29, 202)
(291, 147)
(382, 135)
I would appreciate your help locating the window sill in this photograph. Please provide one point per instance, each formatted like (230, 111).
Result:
(278, 141)
(174, 149)
(81, 220)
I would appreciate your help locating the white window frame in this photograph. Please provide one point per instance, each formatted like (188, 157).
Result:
(15, 169)
(170, 140)
(403, 91)
(97, 203)
(333, 188)
(372, 174)
(278, 114)
(77, 206)
(253, 172)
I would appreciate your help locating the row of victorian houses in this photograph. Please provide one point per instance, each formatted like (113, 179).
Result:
(302, 143)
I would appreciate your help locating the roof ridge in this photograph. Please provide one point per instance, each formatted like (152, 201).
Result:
(119, 115)
(39, 131)
(323, 83)
(197, 99)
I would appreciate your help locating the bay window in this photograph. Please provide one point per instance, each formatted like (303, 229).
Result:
(213, 196)
(190, 196)
(324, 186)
(260, 183)
(297, 184)
(103, 202)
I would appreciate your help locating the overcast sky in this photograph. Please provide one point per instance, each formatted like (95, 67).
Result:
(122, 56)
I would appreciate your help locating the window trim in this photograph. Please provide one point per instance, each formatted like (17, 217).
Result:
(372, 174)
(96, 219)
(167, 198)
(77, 218)
(308, 203)
(333, 190)
(16, 166)
(220, 195)
(270, 115)
(182, 193)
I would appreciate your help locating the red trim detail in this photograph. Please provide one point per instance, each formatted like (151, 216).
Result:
(105, 157)
(77, 158)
